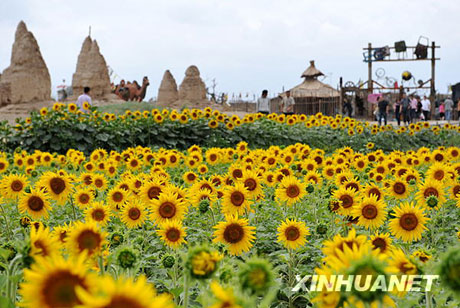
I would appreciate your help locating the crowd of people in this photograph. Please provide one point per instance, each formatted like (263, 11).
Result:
(413, 108)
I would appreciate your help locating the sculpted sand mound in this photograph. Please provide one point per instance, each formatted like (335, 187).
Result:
(167, 93)
(91, 71)
(27, 78)
(192, 87)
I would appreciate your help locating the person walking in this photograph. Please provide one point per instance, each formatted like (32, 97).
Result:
(448, 107)
(287, 104)
(383, 106)
(458, 109)
(84, 98)
(441, 111)
(397, 107)
(413, 109)
(426, 106)
(405, 104)
(263, 103)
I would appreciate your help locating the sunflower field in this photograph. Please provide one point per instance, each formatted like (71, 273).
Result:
(65, 127)
(232, 225)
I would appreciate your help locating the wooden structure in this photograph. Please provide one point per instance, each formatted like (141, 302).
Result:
(312, 96)
(391, 55)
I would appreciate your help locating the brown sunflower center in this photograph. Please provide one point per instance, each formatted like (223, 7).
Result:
(233, 233)
(154, 192)
(293, 191)
(173, 234)
(167, 210)
(134, 213)
(99, 183)
(376, 192)
(123, 302)
(399, 188)
(2, 165)
(17, 186)
(59, 289)
(35, 203)
(43, 250)
(191, 177)
(292, 233)
(88, 240)
(98, 215)
(83, 198)
(117, 197)
(380, 243)
(134, 163)
(430, 191)
(456, 190)
(438, 157)
(57, 185)
(369, 211)
(250, 184)
(237, 198)
(213, 157)
(237, 173)
(438, 175)
(347, 201)
(408, 221)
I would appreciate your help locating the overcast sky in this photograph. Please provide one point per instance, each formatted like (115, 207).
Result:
(245, 45)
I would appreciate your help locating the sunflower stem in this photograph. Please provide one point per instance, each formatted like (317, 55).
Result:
(7, 223)
(186, 289)
(428, 299)
(101, 264)
(73, 208)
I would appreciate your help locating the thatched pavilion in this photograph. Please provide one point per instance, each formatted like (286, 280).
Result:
(312, 96)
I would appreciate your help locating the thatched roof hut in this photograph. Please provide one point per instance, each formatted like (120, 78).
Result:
(311, 86)
(312, 95)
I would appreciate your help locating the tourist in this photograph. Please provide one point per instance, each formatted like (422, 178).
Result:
(448, 107)
(405, 103)
(348, 108)
(398, 111)
(441, 111)
(263, 103)
(413, 109)
(287, 104)
(383, 106)
(458, 109)
(426, 106)
(84, 98)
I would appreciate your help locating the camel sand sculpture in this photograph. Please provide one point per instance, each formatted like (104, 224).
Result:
(132, 91)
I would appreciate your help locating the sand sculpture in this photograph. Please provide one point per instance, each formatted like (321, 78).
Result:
(27, 79)
(91, 71)
(167, 93)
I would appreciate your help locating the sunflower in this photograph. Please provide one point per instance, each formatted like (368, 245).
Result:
(398, 188)
(189, 177)
(172, 233)
(224, 297)
(167, 207)
(236, 233)
(35, 203)
(42, 243)
(83, 197)
(151, 191)
(123, 292)
(348, 198)
(431, 188)
(98, 213)
(292, 233)
(409, 222)
(373, 189)
(133, 214)
(382, 242)
(53, 282)
(252, 182)
(58, 186)
(371, 212)
(290, 190)
(86, 238)
(336, 245)
(438, 171)
(99, 181)
(196, 197)
(13, 185)
(4, 163)
(117, 197)
(235, 199)
(61, 233)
